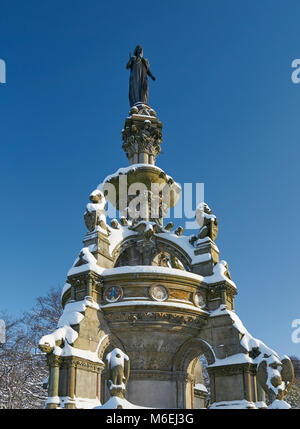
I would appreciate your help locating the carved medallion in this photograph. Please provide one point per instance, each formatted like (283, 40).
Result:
(113, 294)
(199, 300)
(158, 293)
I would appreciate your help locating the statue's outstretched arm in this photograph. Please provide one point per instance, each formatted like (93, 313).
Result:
(150, 74)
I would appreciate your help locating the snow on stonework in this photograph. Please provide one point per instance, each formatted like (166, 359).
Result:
(219, 274)
(201, 387)
(133, 168)
(261, 355)
(66, 287)
(115, 402)
(116, 357)
(183, 242)
(201, 214)
(82, 403)
(118, 235)
(72, 315)
(235, 405)
(279, 405)
(86, 261)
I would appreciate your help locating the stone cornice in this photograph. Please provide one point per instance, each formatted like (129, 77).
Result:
(232, 369)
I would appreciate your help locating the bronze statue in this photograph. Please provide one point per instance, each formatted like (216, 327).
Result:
(138, 81)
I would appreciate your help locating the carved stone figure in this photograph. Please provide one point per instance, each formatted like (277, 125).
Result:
(138, 81)
(118, 372)
(163, 259)
(123, 221)
(207, 221)
(95, 212)
(115, 224)
(179, 231)
(275, 376)
(175, 263)
(169, 226)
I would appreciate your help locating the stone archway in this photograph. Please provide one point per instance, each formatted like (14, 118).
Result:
(129, 253)
(184, 365)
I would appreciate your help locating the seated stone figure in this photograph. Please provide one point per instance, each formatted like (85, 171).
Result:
(95, 212)
(207, 221)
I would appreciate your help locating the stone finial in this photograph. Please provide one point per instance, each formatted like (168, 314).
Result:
(115, 224)
(169, 226)
(179, 231)
(118, 372)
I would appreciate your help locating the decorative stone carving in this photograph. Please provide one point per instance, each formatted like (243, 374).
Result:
(113, 294)
(275, 376)
(199, 300)
(169, 226)
(162, 260)
(158, 293)
(95, 212)
(142, 135)
(118, 372)
(157, 317)
(207, 221)
(176, 263)
(123, 221)
(115, 224)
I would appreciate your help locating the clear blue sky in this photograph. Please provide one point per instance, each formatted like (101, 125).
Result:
(231, 120)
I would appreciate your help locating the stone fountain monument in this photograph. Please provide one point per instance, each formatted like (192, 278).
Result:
(142, 293)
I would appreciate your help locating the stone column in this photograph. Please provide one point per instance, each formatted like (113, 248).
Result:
(53, 383)
(71, 386)
(261, 395)
(143, 158)
(99, 386)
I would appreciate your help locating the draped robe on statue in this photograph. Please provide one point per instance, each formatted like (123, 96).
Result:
(138, 82)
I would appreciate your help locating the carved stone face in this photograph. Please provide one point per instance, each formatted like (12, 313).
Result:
(96, 198)
(207, 209)
(147, 125)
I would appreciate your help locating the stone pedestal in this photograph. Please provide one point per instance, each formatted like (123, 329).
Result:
(142, 135)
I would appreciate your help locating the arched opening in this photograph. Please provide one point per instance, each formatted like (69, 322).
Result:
(159, 256)
(201, 385)
(191, 363)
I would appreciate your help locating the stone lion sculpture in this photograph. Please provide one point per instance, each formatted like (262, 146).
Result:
(118, 372)
(207, 221)
(95, 212)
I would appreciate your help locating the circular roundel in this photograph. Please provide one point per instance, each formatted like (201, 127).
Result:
(158, 293)
(113, 294)
(199, 300)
